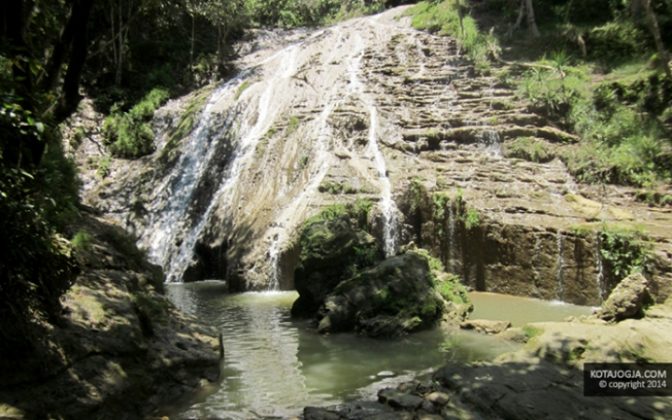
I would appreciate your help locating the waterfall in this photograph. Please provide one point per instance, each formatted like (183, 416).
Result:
(536, 256)
(387, 204)
(196, 156)
(451, 237)
(599, 267)
(560, 265)
(178, 189)
(492, 142)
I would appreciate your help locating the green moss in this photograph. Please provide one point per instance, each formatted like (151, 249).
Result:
(104, 163)
(452, 290)
(531, 331)
(292, 125)
(243, 86)
(441, 201)
(434, 263)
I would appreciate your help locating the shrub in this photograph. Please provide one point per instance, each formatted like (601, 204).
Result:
(36, 266)
(624, 251)
(530, 149)
(444, 16)
(616, 40)
(129, 133)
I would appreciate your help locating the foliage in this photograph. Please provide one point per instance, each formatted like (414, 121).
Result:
(553, 91)
(81, 242)
(620, 143)
(624, 251)
(36, 268)
(452, 290)
(57, 186)
(529, 148)
(129, 133)
(615, 40)
(532, 331)
(296, 13)
(448, 17)
(472, 219)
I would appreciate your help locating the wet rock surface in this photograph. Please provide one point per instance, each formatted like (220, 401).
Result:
(542, 380)
(339, 106)
(485, 326)
(121, 349)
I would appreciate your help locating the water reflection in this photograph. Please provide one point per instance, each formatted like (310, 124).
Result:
(520, 310)
(275, 365)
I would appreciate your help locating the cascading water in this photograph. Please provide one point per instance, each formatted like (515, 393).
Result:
(560, 267)
(451, 236)
(179, 188)
(196, 157)
(244, 172)
(387, 204)
(492, 142)
(536, 256)
(599, 269)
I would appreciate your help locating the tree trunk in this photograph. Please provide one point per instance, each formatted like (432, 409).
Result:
(20, 150)
(80, 15)
(531, 21)
(193, 40)
(120, 46)
(651, 19)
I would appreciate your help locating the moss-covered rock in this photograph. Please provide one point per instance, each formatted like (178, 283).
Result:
(334, 247)
(395, 297)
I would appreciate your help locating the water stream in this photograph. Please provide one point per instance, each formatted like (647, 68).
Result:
(387, 204)
(275, 366)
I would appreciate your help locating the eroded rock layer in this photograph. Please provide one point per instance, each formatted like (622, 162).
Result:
(370, 109)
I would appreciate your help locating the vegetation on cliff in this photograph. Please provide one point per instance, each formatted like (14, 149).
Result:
(600, 69)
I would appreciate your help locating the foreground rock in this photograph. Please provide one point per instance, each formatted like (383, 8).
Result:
(395, 297)
(121, 350)
(334, 246)
(543, 380)
(485, 326)
(345, 286)
(628, 300)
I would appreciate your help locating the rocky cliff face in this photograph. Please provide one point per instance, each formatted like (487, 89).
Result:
(370, 109)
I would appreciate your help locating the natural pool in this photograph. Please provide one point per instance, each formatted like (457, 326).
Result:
(275, 365)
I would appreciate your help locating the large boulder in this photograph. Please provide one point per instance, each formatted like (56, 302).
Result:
(334, 247)
(628, 299)
(395, 297)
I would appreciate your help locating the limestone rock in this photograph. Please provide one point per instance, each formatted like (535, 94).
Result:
(395, 297)
(485, 326)
(438, 398)
(628, 300)
(399, 400)
(330, 251)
